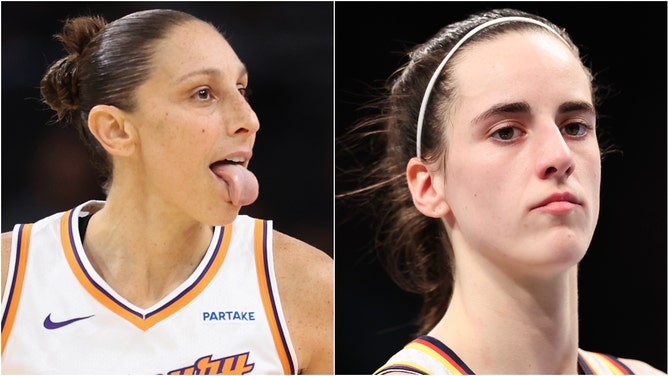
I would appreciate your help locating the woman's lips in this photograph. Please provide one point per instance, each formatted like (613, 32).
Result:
(558, 203)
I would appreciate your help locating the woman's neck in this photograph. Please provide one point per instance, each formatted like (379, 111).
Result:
(502, 325)
(144, 253)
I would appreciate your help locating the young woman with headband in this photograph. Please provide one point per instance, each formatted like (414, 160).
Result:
(490, 197)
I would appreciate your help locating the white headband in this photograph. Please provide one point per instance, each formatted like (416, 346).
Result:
(427, 92)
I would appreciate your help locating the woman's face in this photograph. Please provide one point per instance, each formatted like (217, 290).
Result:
(523, 168)
(196, 129)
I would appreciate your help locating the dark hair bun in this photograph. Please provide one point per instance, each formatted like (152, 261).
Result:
(60, 84)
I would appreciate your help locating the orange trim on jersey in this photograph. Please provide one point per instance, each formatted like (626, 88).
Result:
(17, 285)
(195, 290)
(143, 323)
(436, 353)
(614, 367)
(266, 293)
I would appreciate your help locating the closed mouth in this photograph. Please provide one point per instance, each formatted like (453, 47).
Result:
(559, 197)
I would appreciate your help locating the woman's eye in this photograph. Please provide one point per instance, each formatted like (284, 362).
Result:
(245, 92)
(203, 94)
(575, 129)
(507, 133)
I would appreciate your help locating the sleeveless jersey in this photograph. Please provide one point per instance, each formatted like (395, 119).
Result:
(60, 316)
(426, 355)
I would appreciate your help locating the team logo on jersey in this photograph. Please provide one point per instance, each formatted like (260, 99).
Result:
(230, 365)
(213, 316)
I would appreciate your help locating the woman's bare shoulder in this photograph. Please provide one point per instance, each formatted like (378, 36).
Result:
(305, 277)
(641, 368)
(297, 252)
(6, 249)
(6, 241)
(302, 263)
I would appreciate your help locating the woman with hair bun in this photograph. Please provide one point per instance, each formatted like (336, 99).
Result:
(164, 276)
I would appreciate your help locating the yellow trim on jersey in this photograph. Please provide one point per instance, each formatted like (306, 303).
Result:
(612, 367)
(267, 296)
(140, 322)
(18, 279)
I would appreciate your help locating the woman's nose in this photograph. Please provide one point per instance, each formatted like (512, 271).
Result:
(555, 158)
(243, 119)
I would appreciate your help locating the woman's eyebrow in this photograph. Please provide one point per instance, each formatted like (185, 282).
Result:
(576, 106)
(199, 72)
(502, 108)
(209, 72)
(524, 108)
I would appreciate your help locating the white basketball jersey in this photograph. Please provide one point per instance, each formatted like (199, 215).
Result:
(59, 316)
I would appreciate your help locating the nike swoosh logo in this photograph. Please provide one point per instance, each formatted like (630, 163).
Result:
(59, 324)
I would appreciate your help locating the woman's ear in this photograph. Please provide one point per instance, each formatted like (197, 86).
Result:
(426, 188)
(109, 126)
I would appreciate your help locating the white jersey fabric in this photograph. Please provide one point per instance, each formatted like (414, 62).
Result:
(59, 316)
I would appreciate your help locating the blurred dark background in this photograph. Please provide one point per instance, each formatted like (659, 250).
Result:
(288, 50)
(623, 276)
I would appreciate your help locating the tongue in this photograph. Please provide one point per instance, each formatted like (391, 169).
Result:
(242, 185)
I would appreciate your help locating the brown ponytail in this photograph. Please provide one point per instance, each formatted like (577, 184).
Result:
(60, 84)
